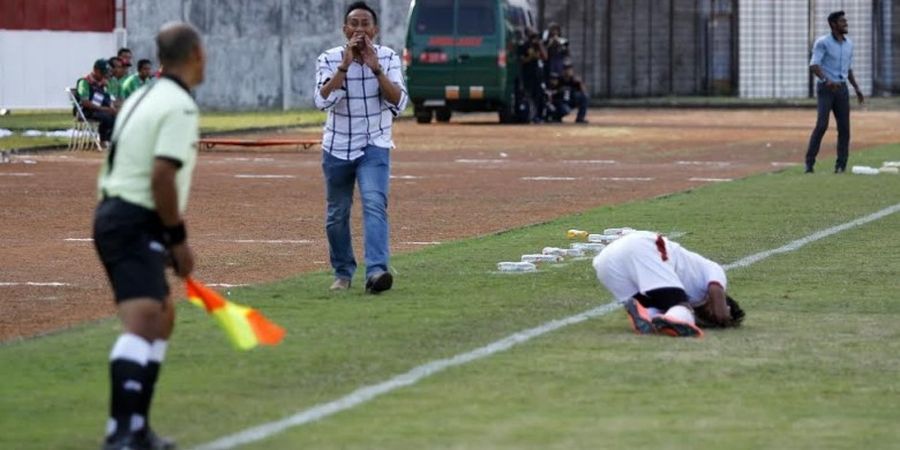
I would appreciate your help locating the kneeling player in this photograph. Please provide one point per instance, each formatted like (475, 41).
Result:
(663, 285)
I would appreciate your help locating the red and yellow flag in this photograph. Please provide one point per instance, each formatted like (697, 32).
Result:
(245, 327)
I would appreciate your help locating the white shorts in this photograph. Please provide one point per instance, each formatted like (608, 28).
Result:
(632, 264)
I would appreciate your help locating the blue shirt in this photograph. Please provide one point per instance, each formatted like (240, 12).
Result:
(833, 56)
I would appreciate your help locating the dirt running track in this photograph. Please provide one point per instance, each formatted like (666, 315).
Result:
(258, 216)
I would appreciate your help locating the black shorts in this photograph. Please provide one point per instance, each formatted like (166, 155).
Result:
(662, 298)
(128, 239)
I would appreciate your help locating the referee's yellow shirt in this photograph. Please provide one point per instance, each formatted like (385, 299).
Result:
(165, 124)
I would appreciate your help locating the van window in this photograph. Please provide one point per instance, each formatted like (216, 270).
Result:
(476, 18)
(434, 17)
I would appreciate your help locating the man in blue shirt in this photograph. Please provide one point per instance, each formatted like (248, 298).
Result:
(831, 62)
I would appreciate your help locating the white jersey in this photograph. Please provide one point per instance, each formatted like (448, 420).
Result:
(642, 261)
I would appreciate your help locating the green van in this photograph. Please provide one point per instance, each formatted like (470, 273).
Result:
(462, 55)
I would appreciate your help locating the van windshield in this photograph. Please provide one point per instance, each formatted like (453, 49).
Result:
(476, 18)
(434, 17)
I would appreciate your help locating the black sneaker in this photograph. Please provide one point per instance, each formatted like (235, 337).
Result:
(158, 442)
(126, 442)
(379, 282)
(809, 169)
(839, 169)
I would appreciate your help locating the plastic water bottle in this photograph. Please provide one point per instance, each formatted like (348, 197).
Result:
(864, 170)
(554, 251)
(602, 238)
(516, 266)
(621, 231)
(576, 234)
(589, 247)
(541, 258)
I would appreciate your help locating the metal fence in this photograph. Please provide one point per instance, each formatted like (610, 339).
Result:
(750, 48)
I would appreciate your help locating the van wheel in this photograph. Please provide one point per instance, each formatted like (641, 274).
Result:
(443, 115)
(423, 115)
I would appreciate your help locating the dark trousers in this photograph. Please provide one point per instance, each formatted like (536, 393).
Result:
(106, 120)
(563, 107)
(837, 101)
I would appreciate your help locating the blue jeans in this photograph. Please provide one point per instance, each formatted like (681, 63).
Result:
(829, 101)
(372, 171)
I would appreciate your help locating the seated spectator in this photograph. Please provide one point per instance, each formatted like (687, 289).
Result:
(115, 79)
(557, 49)
(95, 100)
(124, 54)
(533, 55)
(569, 92)
(137, 80)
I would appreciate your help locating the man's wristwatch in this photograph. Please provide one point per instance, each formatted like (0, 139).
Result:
(377, 72)
(341, 69)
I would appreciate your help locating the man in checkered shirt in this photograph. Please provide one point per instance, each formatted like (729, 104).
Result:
(360, 84)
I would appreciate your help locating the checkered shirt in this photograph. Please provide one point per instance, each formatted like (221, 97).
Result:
(358, 115)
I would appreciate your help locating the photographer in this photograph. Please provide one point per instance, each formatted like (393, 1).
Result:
(557, 48)
(533, 55)
(568, 92)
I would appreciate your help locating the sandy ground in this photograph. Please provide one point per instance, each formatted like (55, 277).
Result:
(258, 215)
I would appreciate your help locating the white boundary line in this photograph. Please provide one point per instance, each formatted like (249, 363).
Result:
(366, 393)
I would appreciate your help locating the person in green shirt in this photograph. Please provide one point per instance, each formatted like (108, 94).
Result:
(137, 80)
(116, 77)
(95, 100)
(139, 228)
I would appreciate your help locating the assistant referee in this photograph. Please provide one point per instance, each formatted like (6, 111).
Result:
(138, 228)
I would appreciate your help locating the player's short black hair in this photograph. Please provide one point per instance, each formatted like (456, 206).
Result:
(834, 17)
(361, 5)
(114, 59)
(142, 63)
(123, 50)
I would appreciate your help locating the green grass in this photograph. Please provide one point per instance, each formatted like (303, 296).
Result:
(814, 367)
(21, 142)
(20, 121)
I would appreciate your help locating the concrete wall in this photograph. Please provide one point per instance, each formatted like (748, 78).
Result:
(31, 79)
(262, 53)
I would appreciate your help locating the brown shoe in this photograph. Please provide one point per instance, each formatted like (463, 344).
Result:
(340, 284)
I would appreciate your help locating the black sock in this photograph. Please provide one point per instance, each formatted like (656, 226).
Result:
(154, 363)
(127, 374)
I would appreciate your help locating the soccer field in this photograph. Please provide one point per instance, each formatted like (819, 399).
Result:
(814, 366)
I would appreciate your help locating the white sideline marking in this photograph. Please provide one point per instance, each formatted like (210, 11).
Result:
(241, 175)
(784, 164)
(268, 241)
(226, 285)
(366, 393)
(481, 161)
(16, 174)
(709, 179)
(35, 283)
(589, 161)
(423, 243)
(703, 163)
(624, 178)
(406, 177)
(549, 178)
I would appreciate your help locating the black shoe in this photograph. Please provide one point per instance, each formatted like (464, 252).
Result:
(140, 440)
(839, 169)
(158, 442)
(809, 169)
(379, 282)
(126, 442)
